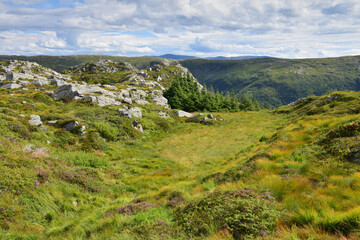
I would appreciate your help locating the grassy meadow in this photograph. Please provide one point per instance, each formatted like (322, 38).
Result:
(296, 165)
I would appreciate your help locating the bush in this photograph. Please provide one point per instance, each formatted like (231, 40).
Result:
(245, 213)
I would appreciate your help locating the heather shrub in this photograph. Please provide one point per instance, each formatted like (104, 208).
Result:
(245, 213)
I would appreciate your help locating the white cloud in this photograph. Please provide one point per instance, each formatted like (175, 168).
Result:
(278, 28)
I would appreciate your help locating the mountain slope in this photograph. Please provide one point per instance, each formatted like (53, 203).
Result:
(278, 81)
(62, 63)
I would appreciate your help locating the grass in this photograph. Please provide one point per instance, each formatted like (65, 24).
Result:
(65, 186)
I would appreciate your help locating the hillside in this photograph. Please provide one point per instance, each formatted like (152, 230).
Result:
(77, 168)
(278, 81)
(62, 63)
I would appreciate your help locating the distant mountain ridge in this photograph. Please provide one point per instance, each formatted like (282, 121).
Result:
(186, 57)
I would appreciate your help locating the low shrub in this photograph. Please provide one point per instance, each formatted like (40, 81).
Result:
(245, 213)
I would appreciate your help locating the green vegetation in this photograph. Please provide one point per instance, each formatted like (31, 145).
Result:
(278, 81)
(184, 93)
(290, 173)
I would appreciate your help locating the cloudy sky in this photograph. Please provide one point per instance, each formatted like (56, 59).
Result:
(278, 28)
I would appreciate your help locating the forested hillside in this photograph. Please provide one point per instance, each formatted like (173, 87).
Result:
(276, 81)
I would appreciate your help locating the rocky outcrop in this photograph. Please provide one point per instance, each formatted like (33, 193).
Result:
(181, 113)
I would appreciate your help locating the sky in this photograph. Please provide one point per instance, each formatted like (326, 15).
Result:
(202, 28)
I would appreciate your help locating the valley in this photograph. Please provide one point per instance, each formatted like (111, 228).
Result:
(75, 164)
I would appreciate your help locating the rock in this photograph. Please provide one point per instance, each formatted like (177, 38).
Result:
(73, 90)
(58, 83)
(9, 76)
(205, 119)
(163, 114)
(21, 115)
(200, 114)
(210, 116)
(137, 126)
(141, 102)
(181, 113)
(24, 83)
(127, 100)
(71, 125)
(159, 78)
(109, 87)
(132, 112)
(82, 131)
(52, 123)
(160, 100)
(11, 86)
(104, 101)
(297, 102)
(43, 128)
(40, 83)
(35, 120)
(92, 99)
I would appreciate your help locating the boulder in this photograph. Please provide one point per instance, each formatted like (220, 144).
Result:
(24, 83)
(35, 120)
(58, 83)
(105, 101)
(160, 100)
(210, 116)
(40, 83)
(71, 125)
(181, 113)
(11, 86)
(131, 112)
(73, 90)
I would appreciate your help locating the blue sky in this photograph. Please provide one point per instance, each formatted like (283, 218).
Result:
(278, 28)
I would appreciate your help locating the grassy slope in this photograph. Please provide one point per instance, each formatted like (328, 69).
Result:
(278, 81)
(62, 63)
(83, 179)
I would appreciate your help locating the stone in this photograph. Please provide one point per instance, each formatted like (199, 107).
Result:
(210, 116)
(105, 101)
(130, 112)
(71, 125)
(73, 90)
(137, 126)
(297, 102)
(35, 120)
(141, 102)
(52, 122)
(40, 83)
(58, 83)
(11, 86)
(127, 100)
(24, 83)
(181, 113)
(160, 100)
(109, 87)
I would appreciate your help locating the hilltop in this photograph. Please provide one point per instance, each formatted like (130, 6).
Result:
(275, 81)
